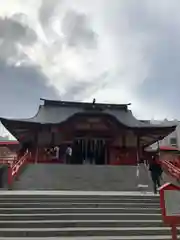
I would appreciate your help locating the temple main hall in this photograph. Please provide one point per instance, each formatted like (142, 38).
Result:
(98, 133)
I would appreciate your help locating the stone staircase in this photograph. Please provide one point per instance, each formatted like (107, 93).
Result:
(80, 215)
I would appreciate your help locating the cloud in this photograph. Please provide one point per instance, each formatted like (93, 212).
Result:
(77, 31)
(144, 40)
(81, 89)
(117, 51)
(13, 34)
(11, 30)
(161, 52)
(152, 39)
(46, 11)
(57, 54)
(21, 89)
(22, 81)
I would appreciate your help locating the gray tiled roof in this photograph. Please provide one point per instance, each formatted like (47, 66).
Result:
(53, 112)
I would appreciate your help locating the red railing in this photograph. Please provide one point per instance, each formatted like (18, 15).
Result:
(14, 163)
(15, 166)
(172, 167)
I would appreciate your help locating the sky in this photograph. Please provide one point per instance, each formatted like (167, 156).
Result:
(118, 51)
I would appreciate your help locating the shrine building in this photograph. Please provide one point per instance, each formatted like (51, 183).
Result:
(98, 133)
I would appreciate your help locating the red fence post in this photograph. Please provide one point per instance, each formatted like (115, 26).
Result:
(9, 175)
(174, 232)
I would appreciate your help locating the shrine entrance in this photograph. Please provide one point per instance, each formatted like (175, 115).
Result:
(89, 151)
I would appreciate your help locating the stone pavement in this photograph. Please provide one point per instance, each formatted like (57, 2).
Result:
(82, 177)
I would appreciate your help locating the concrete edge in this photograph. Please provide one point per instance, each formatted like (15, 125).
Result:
(77, 193)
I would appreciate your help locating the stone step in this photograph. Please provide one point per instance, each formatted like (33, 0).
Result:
(79, 205)
(82, 216)
(78, 210)
(76, 215)
(159, 237)
(77, 223)
(67, 232)
(78, 199)
(21, 194)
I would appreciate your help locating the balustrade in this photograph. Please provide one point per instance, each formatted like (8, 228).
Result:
(14, 164)
(171, 167)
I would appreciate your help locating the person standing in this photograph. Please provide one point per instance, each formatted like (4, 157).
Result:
(156, 172)
(56, 153)
(68, 154)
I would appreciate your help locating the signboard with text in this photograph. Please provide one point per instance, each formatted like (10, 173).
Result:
(170, 203)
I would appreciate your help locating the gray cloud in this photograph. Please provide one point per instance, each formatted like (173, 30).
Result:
(81, 90)
(46, 11)
(78, 31)
(157, 28)
(21, 88)
(11, 30)
(13, 33)
(133, 29)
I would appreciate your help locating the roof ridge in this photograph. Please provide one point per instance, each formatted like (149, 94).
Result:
(82, 104)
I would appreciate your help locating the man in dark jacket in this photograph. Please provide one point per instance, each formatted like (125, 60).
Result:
(156, 172)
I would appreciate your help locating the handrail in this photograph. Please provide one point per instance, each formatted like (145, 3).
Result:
(15, 166)
(8, 158)
(172, 169)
